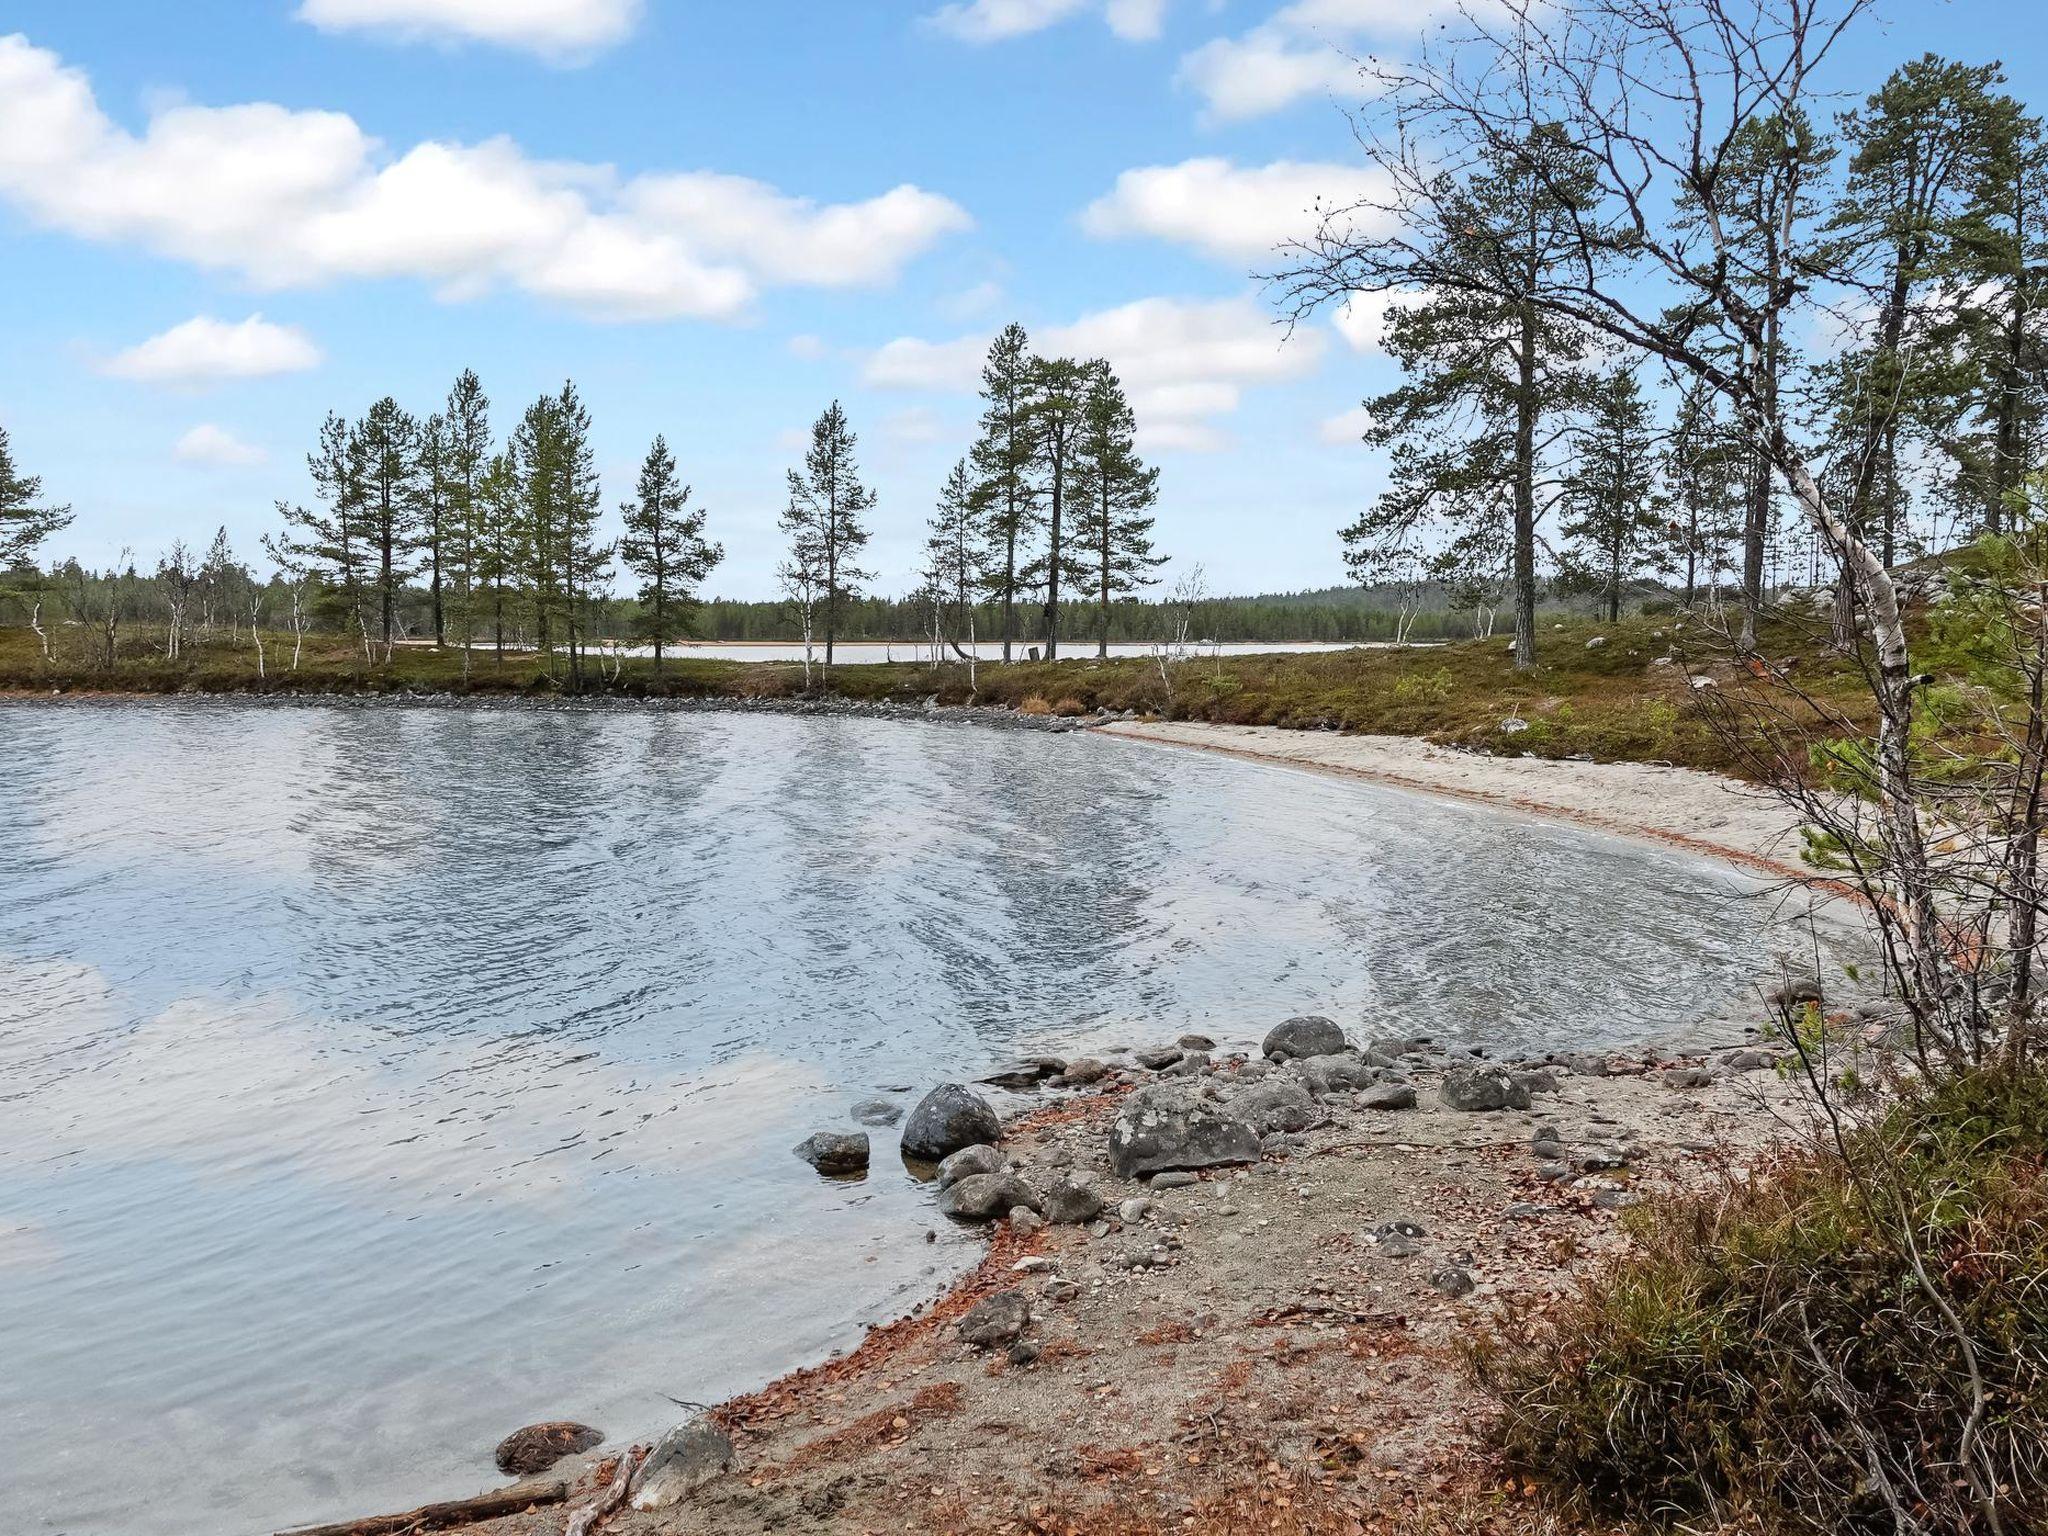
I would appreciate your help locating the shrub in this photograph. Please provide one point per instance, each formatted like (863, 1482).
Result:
(1797, 1351)
(1033, 704)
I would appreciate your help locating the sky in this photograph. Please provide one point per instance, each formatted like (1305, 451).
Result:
(218, 221)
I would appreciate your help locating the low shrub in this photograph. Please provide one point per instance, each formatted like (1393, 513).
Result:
(1855, 1340)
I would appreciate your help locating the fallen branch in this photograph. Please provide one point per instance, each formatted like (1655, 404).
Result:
(586, 1519)
(435, 1517)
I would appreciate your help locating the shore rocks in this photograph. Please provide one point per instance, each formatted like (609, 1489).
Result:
(1157, 1058)
(1275, 1105)
(1167, 1126)
(1795, 991)
(1196, 1043)
(979, 1158)
(1685, 1077)
(682, 1461)
(985, 1196)
(996, 1322)
(835, 1152)
(1479, 1090)
(536, 1447)
(1336, 1074)
(1388, 1096)
(1072, 1202)
(1084, 1070)
(945, 1120)
(876, 1112)
(1308, 1035)
(1028, 1073)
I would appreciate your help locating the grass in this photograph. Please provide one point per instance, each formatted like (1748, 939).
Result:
(1611, 702)
(1767, 1355)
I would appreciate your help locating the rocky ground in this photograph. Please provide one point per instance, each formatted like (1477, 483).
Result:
(1226, 1290)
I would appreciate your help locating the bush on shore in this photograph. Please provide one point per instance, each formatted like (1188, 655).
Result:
(1855, 1340)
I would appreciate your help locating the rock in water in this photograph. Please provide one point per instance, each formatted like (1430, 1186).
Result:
(1479, 1089)
(1168, 1126)
(968, 1161)
(835, 1151)
(539, 1446)
(946, 1119)
(1157, 1058)
(1275, 1105)
(997, 1321)
(1309, 1035)
(985, 1196)
(876, 1112)
(682, 1461)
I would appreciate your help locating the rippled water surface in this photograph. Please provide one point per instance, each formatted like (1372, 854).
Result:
(375, 1080)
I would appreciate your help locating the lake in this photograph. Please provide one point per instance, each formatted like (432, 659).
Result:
(377, 1079)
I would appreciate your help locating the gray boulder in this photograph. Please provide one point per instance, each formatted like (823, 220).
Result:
(1168, 1126)
(682, 1461)
(985, 1196)
(876, 1112)
(835, 1152)
(1197, 1043)
(1275, 1105)
(1388, 1096)
(1477, 1090)
(1072, 1202)
(946, 1119)
(1308, 1035)
(1157, 1058)
(1334, 1074)
(1536, 1080)
(996, 1322)
(537, 1447)
(1451, 1280)
(970, 1160)
(1028, 1073)
(1083, 1071)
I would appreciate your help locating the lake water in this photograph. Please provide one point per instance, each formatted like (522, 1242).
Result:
(852, 651)
(375, 1079)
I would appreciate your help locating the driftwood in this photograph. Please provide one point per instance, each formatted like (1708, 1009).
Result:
(587, 1518)
(436, 1517)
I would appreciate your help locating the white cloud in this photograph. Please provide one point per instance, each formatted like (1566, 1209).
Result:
(563, 30)
(1231, 212)
(914, 424)
(1346, 427)
(290, 199)
(204, 350)
(995, 21)
(1362, 319)
(1303, 49)
(1183, 362)
(209, 444)
(808, 348)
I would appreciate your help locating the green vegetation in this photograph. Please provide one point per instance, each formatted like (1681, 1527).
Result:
(1796, 1352)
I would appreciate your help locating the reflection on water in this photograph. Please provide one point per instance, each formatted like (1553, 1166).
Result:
(375, 1080)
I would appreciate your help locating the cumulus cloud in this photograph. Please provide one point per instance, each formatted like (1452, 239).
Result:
(995, 21)
(559, 30)
(1303, 49)
(1362, 319)
(294, 198)
(1346, 427)
(216, 446)
(204, 350)
(1185, 363)
(1231, 212)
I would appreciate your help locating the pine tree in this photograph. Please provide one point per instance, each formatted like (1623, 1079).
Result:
(823, 518)
(1614, 512)
(1114, 492)
(1003, 458)
(1056, 390)
(1704, 467)
(500, 530)
(1487, 377)
(387, 443)
(466, 457)
(330, 544)
(537, 453)
(664, 545)
(23, 524)
(431, 485)
(585, 562)
(957, 557)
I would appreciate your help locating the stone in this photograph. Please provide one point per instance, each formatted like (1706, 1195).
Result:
(1275, 1105)
(1024, 1220)
(996, 1322)
(1396, 1046)
(1395, 1246)
(1061, 1290)
(876, 1112)
(1196, 1043)
(1193, 1064)
(1553, 1173)
(1586, 1064)
(1165, 1126)
(1072, 1202)
(1547, 1150)
(1615, 1199)
(1479, 1090)
(1308, 1035)
(1400, 1226)
(945, 1120)
(537, 1447)
(1025, 1352)
(1083, 1071)
(835, 1152)
(1335, 1074)
(1749, 1061)
(1796, 991)
(1156, 1058)
(1134, 1210)
(1596, 642)
(1388, 1096)
(1176, 1178)
(1685, 1077)
(970, 1160)
(1028, 1073)
(1451, 1280)
(682, 1461)
(985, 1196)
(1536, 1081)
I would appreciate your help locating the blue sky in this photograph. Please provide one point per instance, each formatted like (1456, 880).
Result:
(716, 218)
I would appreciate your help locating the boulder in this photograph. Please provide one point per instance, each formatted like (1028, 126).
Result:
(970, 1160)
(985, 1196)
(1167, 1126)
(876, 1112)
(682, 1461)
(1083, 1071)
(1157, 1058)
(1477, 1090)
(1536, 1080)
(1193, 1064)
(996, 1322)
(1197, 1043)
(1685, 1077)
(835, 1151)
(1388, 1096)
(1451, 1280)
(1795, 991)
(537, 1447)
(1308, 1035)
(1028, 1073)
(1072, 1202)
(1749, 1061)
(1333, 1074)
(1275, 1105)
(945, 1120)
